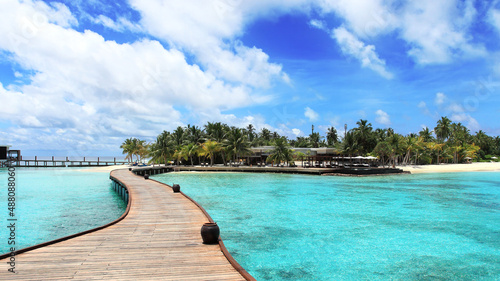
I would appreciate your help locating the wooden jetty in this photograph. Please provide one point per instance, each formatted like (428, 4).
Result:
(66, 162)
(158, 239)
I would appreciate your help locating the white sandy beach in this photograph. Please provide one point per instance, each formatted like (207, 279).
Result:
(448, 168)
(105, 169)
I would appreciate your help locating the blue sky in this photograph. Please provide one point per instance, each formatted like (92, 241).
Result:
(78, 77)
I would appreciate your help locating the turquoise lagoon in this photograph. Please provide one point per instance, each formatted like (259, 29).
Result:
(57, 202)
(410, 227)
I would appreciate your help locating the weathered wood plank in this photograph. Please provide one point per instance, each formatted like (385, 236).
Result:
(158, 240)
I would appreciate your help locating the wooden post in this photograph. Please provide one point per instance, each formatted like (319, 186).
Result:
(97, 161)
(83, 158)
(115, 160)
(52, 158)
(35, 158)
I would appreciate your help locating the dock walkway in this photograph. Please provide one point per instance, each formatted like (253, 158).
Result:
(159, 239)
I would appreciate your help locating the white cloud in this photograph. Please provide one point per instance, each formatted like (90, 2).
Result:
(456, 108)
(382, 118)
(122, 24)
(319, 24)
(494, 18)
(436, 31)
(366, 18)
(213, 27)
(423, 106)
(440, 99)
(311, 114)
(366, 54)
(296, 132)
(84, 86)
(470, 122)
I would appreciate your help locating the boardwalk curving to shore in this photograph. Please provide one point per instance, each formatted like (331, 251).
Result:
(159, 239)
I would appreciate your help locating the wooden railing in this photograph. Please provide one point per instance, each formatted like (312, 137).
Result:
(66, 162)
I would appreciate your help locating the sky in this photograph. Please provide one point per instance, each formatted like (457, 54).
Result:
(79, 77)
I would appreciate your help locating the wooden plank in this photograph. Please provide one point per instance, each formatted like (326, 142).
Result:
(158, 240)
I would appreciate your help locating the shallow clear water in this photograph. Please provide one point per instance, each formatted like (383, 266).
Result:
(56, 202)
(410, 227)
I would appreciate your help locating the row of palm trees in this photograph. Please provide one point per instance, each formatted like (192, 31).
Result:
(448, 142)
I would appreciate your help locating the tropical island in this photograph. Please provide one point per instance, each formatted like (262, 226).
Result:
(218, 143)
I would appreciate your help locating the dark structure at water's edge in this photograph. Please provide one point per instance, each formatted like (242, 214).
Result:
(359, 171)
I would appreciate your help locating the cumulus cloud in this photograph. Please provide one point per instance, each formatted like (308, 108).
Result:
(296, 132)
(84, 87)
(440, 99)
(366, 54)
(366, 18)
(311, 114)
(212, 26)
(437, 31)
(382, 117)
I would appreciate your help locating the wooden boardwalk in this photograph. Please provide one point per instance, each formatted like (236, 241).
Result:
(159, 239)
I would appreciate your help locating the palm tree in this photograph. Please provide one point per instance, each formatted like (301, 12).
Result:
(459, 134)
(437, 147)
(331, 136)
(349, 145)
(471, 151)
(251, 132)
(134, 146)
(363, 136)
(178, 136)
(426, 134)
(237, 143)
(128, 148)
(443, 129)
(314, 140)
(210, 148)
(300, 142)
(216, 131)
(382, 150)
(194, 134)
(395, 143)
(411, 143)
(485, 142)
(162, 149)
(179, 154)
(281, 151)
(189, 150)
(265, 136)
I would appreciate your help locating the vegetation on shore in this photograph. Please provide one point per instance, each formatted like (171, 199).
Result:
(216, 142)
